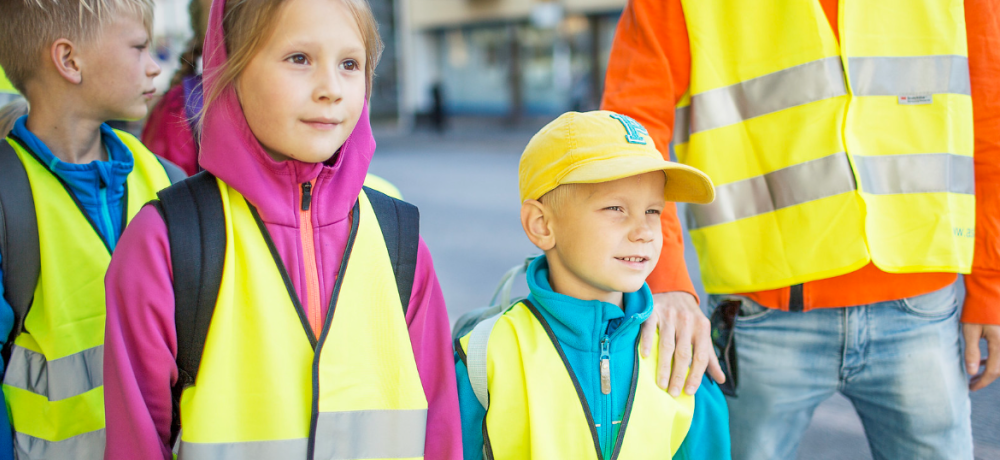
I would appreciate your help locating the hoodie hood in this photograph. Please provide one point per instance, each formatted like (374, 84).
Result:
(230, 151)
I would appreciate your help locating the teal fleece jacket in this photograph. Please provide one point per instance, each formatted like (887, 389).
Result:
(581, 327)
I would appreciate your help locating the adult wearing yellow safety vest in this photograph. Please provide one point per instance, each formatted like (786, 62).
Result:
(850, 191)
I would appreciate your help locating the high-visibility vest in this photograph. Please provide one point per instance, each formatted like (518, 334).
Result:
(54, 380)
(536, 408)
(827, 154)
(5, 84)
(267, 389)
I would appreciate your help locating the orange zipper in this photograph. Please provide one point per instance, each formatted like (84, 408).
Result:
(312, 303)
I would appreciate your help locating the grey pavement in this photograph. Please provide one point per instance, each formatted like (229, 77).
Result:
(465, 183)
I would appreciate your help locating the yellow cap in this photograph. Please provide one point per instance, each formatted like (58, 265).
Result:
(601, 146)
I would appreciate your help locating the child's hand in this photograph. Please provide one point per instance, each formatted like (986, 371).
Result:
(683, 327)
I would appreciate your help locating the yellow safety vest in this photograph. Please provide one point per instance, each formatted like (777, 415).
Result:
(5, 84)
(54, 380)
(828, 155)
(377, 183)
(267, 390)
(537, 410)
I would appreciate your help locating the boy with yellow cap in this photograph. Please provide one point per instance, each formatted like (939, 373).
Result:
(558, 375)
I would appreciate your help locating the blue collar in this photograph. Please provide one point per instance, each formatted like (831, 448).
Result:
(118, 154)
(582, 323)
(98, 186)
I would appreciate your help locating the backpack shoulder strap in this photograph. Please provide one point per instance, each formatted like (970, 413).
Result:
(479, 336)
(174, 173)
(400, 224)
(20, 259)
(192, 211)
(475, 358)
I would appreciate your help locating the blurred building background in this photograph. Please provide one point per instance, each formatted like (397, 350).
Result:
(523, 61)
(497, 58)
(505, 57)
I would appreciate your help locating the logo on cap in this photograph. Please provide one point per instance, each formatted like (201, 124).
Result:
(634, 132)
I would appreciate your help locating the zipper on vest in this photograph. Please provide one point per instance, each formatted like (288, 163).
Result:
(306, 234)
(628, 404)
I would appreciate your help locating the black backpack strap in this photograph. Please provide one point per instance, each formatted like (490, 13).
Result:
(20, 259)
(192, 211)
(400, 224)
(174, 173)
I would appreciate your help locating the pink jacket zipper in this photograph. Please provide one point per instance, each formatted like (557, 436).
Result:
(312, 300)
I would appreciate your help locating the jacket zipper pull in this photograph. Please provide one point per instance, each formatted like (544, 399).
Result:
(605, 367)
(306, 195)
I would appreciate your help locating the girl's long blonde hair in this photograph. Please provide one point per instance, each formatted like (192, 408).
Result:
(248, 24)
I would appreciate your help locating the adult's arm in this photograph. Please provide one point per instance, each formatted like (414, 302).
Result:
(648, 73)
(981, 313)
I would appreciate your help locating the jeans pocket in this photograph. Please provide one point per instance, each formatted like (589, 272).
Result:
(938, 304)
(750, 311)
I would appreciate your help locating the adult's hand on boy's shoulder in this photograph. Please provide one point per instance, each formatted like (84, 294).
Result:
(685, 334)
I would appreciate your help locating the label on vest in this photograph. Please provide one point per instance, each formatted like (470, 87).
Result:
(922, 99)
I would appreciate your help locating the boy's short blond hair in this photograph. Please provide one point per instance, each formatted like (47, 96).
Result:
(31, 26)
(558, 198)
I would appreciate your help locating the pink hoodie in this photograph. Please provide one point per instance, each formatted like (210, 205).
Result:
(141, 342)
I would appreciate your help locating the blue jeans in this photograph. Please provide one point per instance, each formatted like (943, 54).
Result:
(899, 363)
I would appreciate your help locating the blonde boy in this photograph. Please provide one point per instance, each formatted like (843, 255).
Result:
(558, 375)
(79, 63)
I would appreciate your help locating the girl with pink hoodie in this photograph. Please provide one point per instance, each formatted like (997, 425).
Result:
(306, 356)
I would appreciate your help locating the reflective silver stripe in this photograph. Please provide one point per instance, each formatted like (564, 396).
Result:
(682, 125)
(820, 178)
(901, 76)
(371, 434)
(339, 436)
(256, 450)
(86, 446)
(57, 379)
(916, 173)
(802, 84)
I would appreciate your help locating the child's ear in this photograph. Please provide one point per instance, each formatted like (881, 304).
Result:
(67, 61)
(536, 219)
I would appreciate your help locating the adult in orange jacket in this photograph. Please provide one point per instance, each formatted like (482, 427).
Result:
(887, 341)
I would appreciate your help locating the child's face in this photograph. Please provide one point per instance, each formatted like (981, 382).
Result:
(118, 70)
(607, 237)
(304, 90)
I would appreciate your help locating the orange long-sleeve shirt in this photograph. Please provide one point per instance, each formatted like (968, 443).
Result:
(649, 72)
